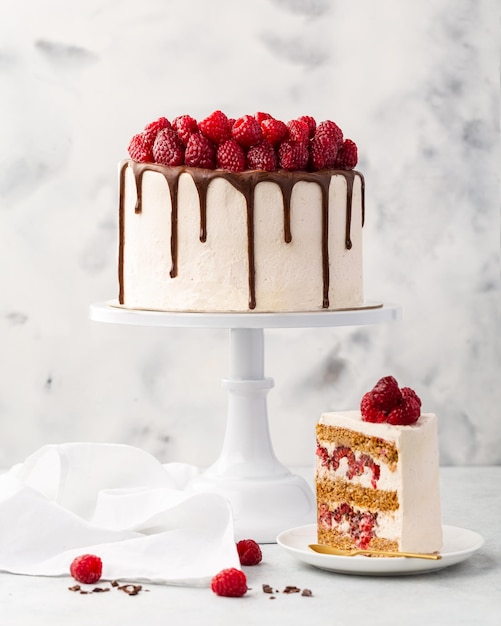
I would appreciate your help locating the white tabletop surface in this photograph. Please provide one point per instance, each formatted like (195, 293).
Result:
(468, 593)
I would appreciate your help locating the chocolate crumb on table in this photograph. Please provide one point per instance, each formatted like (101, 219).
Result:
(288, 590)
(131, 590)
(128, 588)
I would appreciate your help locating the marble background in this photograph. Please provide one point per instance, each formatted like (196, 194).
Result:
(415, 84)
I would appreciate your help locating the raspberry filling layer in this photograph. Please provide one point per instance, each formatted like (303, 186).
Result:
(355, 467)
(345, 520)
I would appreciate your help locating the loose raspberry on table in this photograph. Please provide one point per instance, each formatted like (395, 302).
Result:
(274, 130)
(86, 568)
(262, 157)
(347, 156)
(231, 156)
(293, 155)
(229, 582)
(168, 149)
(247, 131)
(386, 394)
(200, 152)
(249, 552)
(216, 127)
(185, 126)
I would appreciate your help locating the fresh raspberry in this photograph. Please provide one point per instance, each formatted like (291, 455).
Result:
(141, 145)
(330, 129)
(152, 129)
(403, 415)
(408, 411)
(409, 395)
(216, 127)
(86, 569)
(185, 126)
(274, 130)
(249, 552)
(139, 150)
(293, 155)
(260, 116)
(168, 149)
(298, 131)
(229, 582)
(247, 131)
(323, 152)
(386, 394)
(347, 156)
(200, 152)
(231, 156)
(311, 123)
(262, 157)
(369, 412)
(388, 403)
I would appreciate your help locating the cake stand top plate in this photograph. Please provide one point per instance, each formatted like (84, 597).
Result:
(371, 313)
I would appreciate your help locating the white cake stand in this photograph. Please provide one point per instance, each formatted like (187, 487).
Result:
(265, 496)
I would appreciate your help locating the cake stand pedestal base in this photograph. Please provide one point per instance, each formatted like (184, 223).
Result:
(265, 497)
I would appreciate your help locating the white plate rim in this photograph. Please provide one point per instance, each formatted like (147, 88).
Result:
(459, 544)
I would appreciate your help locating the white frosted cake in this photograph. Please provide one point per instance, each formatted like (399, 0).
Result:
(212, 239)
(377, 483)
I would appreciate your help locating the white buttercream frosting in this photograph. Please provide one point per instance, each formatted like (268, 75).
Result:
(214, 275)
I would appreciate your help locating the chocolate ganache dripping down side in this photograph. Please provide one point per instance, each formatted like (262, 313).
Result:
(245, 182)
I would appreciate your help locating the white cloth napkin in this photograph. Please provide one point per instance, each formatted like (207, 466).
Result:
(117, 502)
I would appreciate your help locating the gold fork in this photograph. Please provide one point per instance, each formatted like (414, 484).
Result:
(329, 550)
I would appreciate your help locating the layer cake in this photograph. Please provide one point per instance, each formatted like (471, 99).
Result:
(220, 237)
(377, 483)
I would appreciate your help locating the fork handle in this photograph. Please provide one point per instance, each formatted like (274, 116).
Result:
(414, 555)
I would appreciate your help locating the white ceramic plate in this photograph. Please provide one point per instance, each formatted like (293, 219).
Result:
(459, 544)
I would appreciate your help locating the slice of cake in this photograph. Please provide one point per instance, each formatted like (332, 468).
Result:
(241, 215)
(377, 474)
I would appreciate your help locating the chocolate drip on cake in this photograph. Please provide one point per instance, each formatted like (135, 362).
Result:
(245, 182)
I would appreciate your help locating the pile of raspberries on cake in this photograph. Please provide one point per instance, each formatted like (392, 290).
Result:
(251, 142)
(386, 402)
